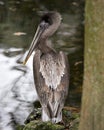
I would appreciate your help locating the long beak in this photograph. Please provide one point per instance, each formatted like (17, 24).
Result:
(34, 43)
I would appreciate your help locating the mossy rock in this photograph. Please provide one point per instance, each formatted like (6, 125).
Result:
(70, 121)
(38, 125)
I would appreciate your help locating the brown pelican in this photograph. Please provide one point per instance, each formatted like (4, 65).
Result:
(50, 69)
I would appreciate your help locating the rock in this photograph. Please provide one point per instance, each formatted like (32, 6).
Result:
(38, 125)
(70, 121)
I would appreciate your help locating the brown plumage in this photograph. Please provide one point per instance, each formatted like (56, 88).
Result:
(50, 69)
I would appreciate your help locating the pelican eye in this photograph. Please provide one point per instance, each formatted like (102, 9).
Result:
(47, 19)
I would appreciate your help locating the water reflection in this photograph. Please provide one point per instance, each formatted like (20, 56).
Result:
(18, 21)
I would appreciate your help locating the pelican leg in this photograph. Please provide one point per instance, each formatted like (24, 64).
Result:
(45, 116)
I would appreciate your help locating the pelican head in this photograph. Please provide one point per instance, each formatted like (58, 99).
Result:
(49, 23)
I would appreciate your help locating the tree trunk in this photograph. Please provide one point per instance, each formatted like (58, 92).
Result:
(92, 113)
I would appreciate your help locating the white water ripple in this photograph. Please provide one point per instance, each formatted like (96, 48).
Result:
(17, 92)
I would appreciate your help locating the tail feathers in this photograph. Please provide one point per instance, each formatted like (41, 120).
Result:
(57, 119)
(53, 113)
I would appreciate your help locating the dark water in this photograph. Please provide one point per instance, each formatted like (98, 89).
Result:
(18, 22)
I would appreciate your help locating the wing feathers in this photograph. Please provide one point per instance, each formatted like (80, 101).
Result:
(52, 80)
